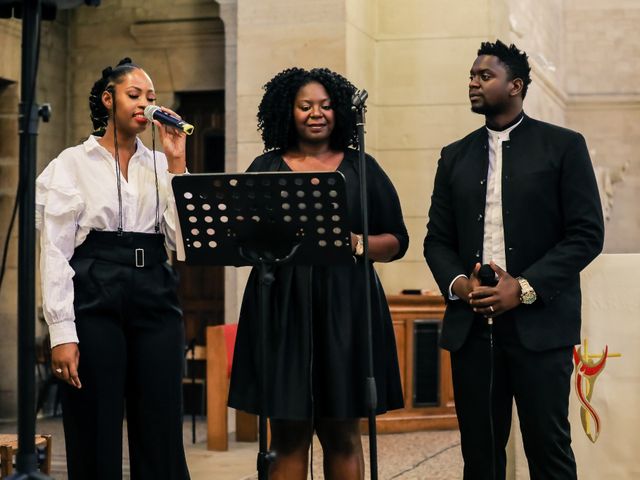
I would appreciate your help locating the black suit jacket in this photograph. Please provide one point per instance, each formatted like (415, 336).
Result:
(553, 226)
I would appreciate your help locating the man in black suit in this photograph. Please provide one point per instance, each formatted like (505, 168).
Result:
(520, 195)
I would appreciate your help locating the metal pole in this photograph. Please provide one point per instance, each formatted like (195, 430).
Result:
(371, 396)
(26, 459)
(267, 277)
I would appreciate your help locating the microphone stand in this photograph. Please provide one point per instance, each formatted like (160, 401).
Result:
(266, 263)
(26, 458)
(32, 12)
(371, 395)
(190, 368)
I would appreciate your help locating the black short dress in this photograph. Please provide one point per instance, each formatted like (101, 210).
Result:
(317, 352)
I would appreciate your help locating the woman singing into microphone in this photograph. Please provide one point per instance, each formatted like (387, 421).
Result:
(318, 355)
(105, 212)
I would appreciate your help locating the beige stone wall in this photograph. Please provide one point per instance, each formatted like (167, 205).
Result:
(278, 34)
(362, 62)
(604, 104)
(602, 45)
(612, 129)
(537, 27)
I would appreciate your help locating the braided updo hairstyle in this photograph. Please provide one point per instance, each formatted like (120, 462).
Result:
(275, 113)
(110, 77)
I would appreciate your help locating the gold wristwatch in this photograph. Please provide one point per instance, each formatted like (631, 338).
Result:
(359, 246)
(527, 293)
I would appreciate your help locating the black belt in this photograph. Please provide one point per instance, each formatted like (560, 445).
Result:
(128, 248)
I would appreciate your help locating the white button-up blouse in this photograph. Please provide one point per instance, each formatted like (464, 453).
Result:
(77, 193)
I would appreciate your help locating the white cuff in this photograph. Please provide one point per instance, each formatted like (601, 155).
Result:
(171, 175)
(453, 296)
(63, 332)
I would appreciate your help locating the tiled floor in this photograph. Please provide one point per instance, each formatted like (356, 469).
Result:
(431, 455)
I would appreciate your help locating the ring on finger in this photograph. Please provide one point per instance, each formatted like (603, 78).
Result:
(58, 370)
(491, 308)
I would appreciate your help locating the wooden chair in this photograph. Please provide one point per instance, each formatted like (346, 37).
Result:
(9, 447)
(220, 343)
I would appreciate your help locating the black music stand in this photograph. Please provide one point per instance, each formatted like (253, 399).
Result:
(263, 220)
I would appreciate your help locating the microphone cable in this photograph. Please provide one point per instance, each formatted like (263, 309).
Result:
(491, 370)
(488, 278)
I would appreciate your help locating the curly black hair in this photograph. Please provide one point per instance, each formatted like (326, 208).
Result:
(110, 76)
(275, 113)
(515, 61)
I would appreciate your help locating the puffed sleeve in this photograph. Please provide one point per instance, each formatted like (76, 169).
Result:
(386, 213)
(58, 203)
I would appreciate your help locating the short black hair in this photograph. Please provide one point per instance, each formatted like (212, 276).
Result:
(275, 113)
(110, 76)
(515, 61)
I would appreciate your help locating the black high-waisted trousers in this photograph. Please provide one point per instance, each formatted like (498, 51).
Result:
(131, 335)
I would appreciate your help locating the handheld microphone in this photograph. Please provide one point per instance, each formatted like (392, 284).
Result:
(154, 112)
(487, 276)
(358, 99)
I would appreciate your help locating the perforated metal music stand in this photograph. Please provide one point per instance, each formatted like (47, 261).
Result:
(263, 220)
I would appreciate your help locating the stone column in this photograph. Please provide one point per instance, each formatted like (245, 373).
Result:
(10, 35)
(9, 98)
(229, 17)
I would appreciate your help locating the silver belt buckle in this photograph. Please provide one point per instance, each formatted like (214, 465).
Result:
(139, 257)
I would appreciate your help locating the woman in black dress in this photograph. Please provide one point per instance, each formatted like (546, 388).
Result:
(318, 355)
